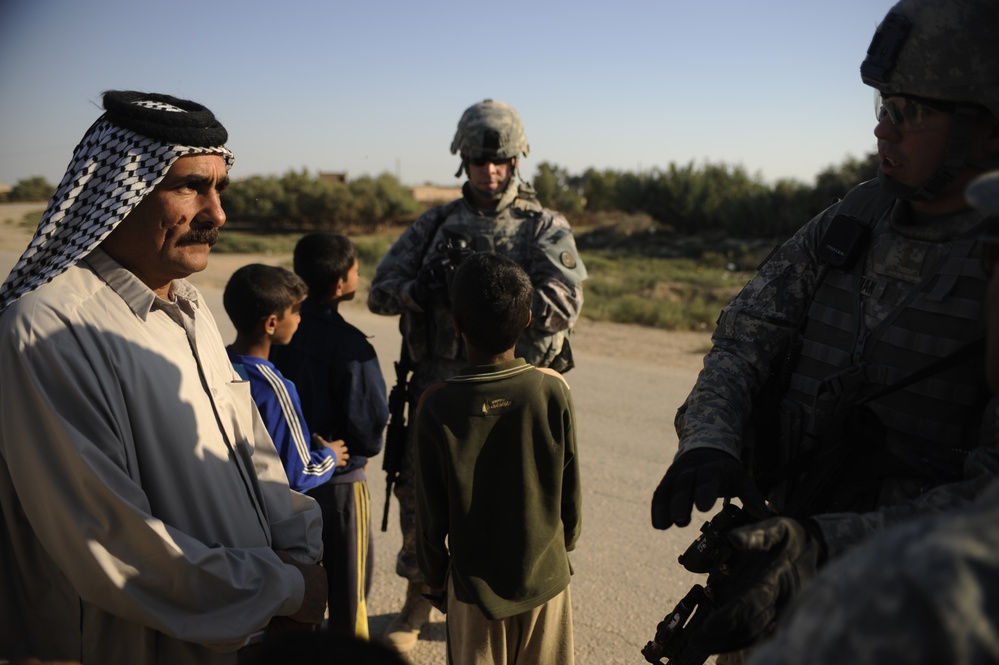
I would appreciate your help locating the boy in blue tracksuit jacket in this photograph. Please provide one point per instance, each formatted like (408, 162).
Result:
(263, 303)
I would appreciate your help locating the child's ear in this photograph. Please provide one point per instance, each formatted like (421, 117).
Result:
(530, 315)
(338, 289)
(270, 324)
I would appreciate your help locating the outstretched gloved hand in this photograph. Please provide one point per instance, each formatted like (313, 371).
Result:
(699, 477)
(772, 560)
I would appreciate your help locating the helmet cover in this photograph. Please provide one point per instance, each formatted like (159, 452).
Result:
(490, 129)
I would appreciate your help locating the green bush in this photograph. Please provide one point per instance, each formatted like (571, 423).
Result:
(28, 190)
(300, 202)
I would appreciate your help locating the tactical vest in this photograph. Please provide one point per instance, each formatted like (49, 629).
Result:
(903, 304)
(510, 231)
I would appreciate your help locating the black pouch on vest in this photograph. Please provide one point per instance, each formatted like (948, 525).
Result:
(842, 241)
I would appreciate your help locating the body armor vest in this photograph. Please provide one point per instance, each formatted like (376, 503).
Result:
(509, 231)
(905, 304)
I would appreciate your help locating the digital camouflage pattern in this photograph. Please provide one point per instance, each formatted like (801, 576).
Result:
(490, 129)
(916, 51)
(756, 326)
(538, 239)
(922, 592)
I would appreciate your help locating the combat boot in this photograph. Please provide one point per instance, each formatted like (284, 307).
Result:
(405, 628)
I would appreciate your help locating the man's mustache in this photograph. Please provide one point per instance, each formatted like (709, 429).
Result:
(199, 237)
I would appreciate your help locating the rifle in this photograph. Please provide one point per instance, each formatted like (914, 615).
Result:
(709, 553)
(397, 431)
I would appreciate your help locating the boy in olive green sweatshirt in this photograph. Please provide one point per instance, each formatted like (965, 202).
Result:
(497, 482)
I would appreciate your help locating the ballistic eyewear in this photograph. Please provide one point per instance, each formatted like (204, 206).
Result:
(910, 113)
(496, 161)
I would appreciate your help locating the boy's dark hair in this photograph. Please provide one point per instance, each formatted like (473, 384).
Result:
(323, 258)
(256, 291)
(491, 301)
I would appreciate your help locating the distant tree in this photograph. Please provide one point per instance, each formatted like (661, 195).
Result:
(787, 208)
(834, 182)
(713, 198)
(557, 190)
(381, 199)
(256, 200)
(299, 201)
(632, 192)
(30, 190)
(599, 190)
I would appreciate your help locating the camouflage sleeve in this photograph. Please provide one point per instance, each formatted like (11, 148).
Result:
(392, 286)
(919, 593)
(843, 531)
(751, 330)
(557, 272)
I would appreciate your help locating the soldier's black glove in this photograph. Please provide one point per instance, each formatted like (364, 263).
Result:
(429, 286)
(772, 560)
(699, 477)
(455, 255)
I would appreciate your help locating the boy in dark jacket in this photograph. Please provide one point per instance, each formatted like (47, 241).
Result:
(497, 481)
(343, 397)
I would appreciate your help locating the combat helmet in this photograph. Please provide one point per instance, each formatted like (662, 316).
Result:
(942, 50)
(490, 129)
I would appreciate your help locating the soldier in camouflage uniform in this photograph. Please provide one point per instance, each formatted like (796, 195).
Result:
(496, 213)
(882, 286)
(925, 591)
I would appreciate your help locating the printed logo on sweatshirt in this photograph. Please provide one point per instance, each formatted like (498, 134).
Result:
(496, 404)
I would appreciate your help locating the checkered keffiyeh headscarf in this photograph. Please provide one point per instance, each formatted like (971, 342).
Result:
(122, 157)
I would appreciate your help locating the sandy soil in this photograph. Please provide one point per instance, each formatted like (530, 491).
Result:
(625, 343)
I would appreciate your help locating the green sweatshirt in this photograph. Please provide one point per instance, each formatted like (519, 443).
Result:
(498, 478)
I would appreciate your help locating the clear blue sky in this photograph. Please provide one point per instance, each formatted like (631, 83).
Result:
(372, 86)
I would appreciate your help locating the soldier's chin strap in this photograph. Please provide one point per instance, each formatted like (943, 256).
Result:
(966, 117)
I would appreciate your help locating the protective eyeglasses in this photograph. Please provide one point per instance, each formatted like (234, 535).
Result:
(496, 161)
(911, 113)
